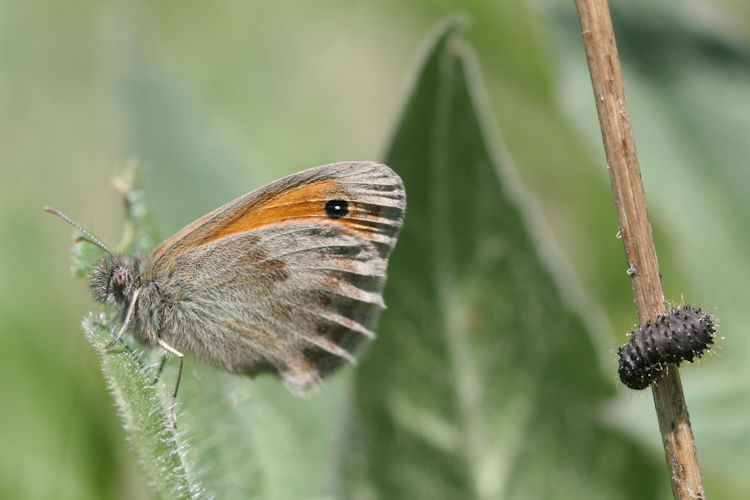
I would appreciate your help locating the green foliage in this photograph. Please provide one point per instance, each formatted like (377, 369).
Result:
(140, 234)
(160, 451)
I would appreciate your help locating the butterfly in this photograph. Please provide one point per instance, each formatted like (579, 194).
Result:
(285, 280)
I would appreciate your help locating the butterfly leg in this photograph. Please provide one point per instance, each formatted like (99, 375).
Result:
(177, 353)
(161, 368)
(128, 318)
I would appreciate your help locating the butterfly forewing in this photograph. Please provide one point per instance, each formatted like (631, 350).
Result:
(373, 192)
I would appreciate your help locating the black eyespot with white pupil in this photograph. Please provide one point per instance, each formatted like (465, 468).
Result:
(335, 209)
(119, 277)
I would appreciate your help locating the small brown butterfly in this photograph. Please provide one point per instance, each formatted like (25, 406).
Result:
(285, 280)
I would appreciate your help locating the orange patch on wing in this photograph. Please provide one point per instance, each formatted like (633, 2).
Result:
(301, 203)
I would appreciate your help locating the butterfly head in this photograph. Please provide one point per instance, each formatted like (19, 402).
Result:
(114, 280)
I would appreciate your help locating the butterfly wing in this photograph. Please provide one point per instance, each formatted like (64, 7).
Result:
(287, 279)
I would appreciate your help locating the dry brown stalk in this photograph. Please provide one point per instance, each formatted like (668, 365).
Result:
(625, 176)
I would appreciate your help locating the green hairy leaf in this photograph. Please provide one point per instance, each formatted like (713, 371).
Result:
(160, 449)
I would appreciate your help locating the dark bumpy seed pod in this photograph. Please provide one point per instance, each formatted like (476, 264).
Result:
(681, 334)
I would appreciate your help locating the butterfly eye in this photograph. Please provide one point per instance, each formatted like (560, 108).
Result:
(336, 209)
(119, 277)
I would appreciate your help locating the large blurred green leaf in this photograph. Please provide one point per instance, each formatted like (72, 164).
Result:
(483, 382)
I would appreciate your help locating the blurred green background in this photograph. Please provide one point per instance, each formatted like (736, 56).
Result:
(217, 98)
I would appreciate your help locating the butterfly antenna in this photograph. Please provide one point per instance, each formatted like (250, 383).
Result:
(90, 238)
